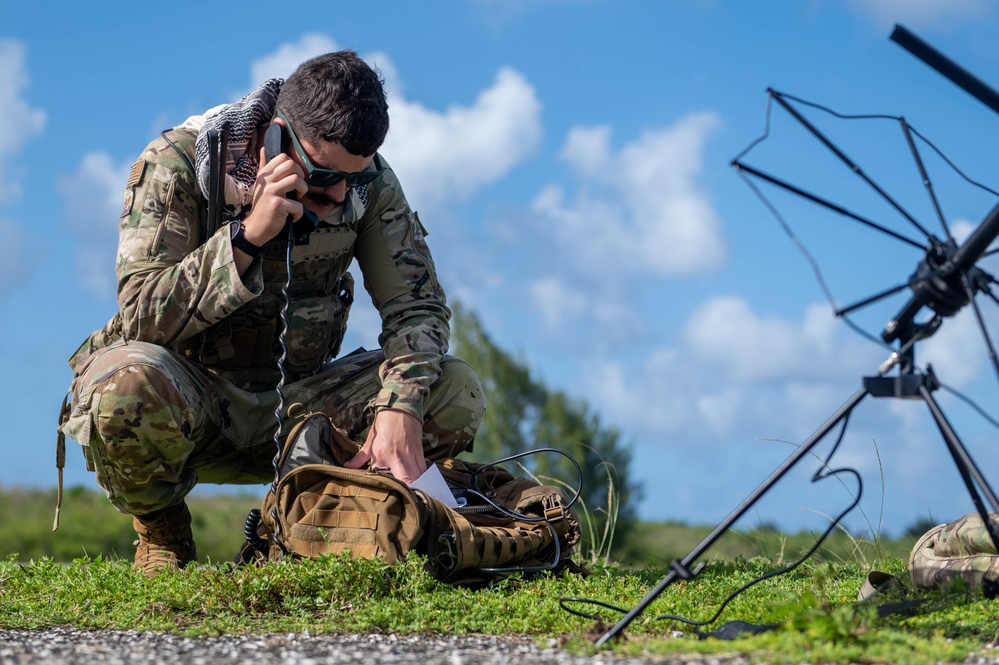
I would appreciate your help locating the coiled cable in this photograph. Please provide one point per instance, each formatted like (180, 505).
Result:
(282, 342)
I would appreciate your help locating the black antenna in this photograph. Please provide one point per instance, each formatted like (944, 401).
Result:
(957, 74)
(218, 145)
(946, 279)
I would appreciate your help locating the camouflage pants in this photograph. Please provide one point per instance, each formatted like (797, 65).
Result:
(962, 550)
(153, 424)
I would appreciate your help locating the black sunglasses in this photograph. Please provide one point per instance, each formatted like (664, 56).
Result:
(320, 177)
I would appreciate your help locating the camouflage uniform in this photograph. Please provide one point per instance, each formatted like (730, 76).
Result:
(961, 550)
(179, 386)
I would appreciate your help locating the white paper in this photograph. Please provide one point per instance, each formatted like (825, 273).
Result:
(433, 483)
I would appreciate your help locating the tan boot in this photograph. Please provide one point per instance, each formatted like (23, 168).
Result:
(165, 540)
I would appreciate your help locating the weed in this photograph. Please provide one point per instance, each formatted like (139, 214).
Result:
(814, 613)
(598, 531)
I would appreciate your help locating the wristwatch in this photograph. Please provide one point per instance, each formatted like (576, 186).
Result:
(239, 240)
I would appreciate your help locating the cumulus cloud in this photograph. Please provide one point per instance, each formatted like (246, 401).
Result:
(438, 155)
(556, 301)
(19, 123)
(451, 155)
(640, 208)
(564, 305)
(923, 13)
(735, 371)
(94, 193)
(282, 62)
(725, 332)
(957, 352)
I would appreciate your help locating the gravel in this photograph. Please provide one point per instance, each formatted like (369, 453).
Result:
(75, 647)
(68, 646)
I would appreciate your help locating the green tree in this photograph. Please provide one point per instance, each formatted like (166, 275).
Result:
(522, 413)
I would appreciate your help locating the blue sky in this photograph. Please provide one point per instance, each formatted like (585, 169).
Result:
(570, 160)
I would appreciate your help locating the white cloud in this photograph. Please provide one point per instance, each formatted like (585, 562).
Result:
(19, 123)
(640, 209)
(649, 400)
(566, 307)
(451, 155)
(719, 410)
(961, 229)
(736, 372)
(726, 333)
(288, 57)
(555, 301)
(957, 352)
(445, 155)
(383, 64)
(923, 13)
(94, 199)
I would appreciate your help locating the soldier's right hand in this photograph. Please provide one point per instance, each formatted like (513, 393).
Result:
(272, 206)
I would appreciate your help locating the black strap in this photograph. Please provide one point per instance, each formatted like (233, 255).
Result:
(218, 141)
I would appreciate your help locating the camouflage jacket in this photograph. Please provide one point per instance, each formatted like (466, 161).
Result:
(182, 292)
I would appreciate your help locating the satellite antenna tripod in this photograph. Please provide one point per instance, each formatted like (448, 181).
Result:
(946, 280)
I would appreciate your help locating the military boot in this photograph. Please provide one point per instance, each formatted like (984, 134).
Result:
(165, 540)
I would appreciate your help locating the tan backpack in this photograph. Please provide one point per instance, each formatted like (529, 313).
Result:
(315, 506)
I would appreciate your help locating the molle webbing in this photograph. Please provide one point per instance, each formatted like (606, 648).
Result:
(318, 507)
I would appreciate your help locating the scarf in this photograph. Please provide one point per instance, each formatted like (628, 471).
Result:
(244, 117)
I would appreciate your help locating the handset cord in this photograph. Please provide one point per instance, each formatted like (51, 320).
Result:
(215, 205)
(509, 512)
(253, 519)
(282, 342)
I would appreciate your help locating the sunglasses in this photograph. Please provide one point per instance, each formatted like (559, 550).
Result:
(320, 177)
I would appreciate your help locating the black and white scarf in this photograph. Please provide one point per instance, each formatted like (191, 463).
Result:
(244, 117)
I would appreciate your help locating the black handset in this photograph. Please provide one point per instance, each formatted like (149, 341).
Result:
(276, 141)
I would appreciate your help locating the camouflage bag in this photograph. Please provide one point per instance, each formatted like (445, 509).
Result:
(315, 506)
(960, 550)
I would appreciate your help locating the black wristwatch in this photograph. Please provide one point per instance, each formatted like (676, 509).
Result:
(239, 240)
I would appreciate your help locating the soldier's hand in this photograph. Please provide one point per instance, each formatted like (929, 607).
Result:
(271, 204)
(395, 443)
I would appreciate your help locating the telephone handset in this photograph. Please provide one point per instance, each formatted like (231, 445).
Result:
(276, 140)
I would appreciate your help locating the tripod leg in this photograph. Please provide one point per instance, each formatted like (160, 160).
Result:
(970, 474)
(681, 569)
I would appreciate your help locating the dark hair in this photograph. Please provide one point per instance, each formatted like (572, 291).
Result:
(338, 98)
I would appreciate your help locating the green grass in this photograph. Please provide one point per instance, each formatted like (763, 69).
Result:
(90, 526)
(814, 605)
(819, 622)
(651, 544)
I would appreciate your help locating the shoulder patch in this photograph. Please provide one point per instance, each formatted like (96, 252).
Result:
(135, 176)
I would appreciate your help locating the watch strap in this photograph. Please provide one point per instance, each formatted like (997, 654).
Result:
(240, 242)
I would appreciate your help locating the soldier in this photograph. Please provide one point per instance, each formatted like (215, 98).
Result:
(182, 385)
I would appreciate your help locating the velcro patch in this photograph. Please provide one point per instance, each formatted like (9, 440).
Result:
(135, 176)
(126, 206)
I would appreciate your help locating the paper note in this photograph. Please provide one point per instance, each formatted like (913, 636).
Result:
(433, 483)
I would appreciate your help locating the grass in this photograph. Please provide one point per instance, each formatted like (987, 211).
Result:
(90, 526)
(819, 622)
(814, 605)
(598, 526)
